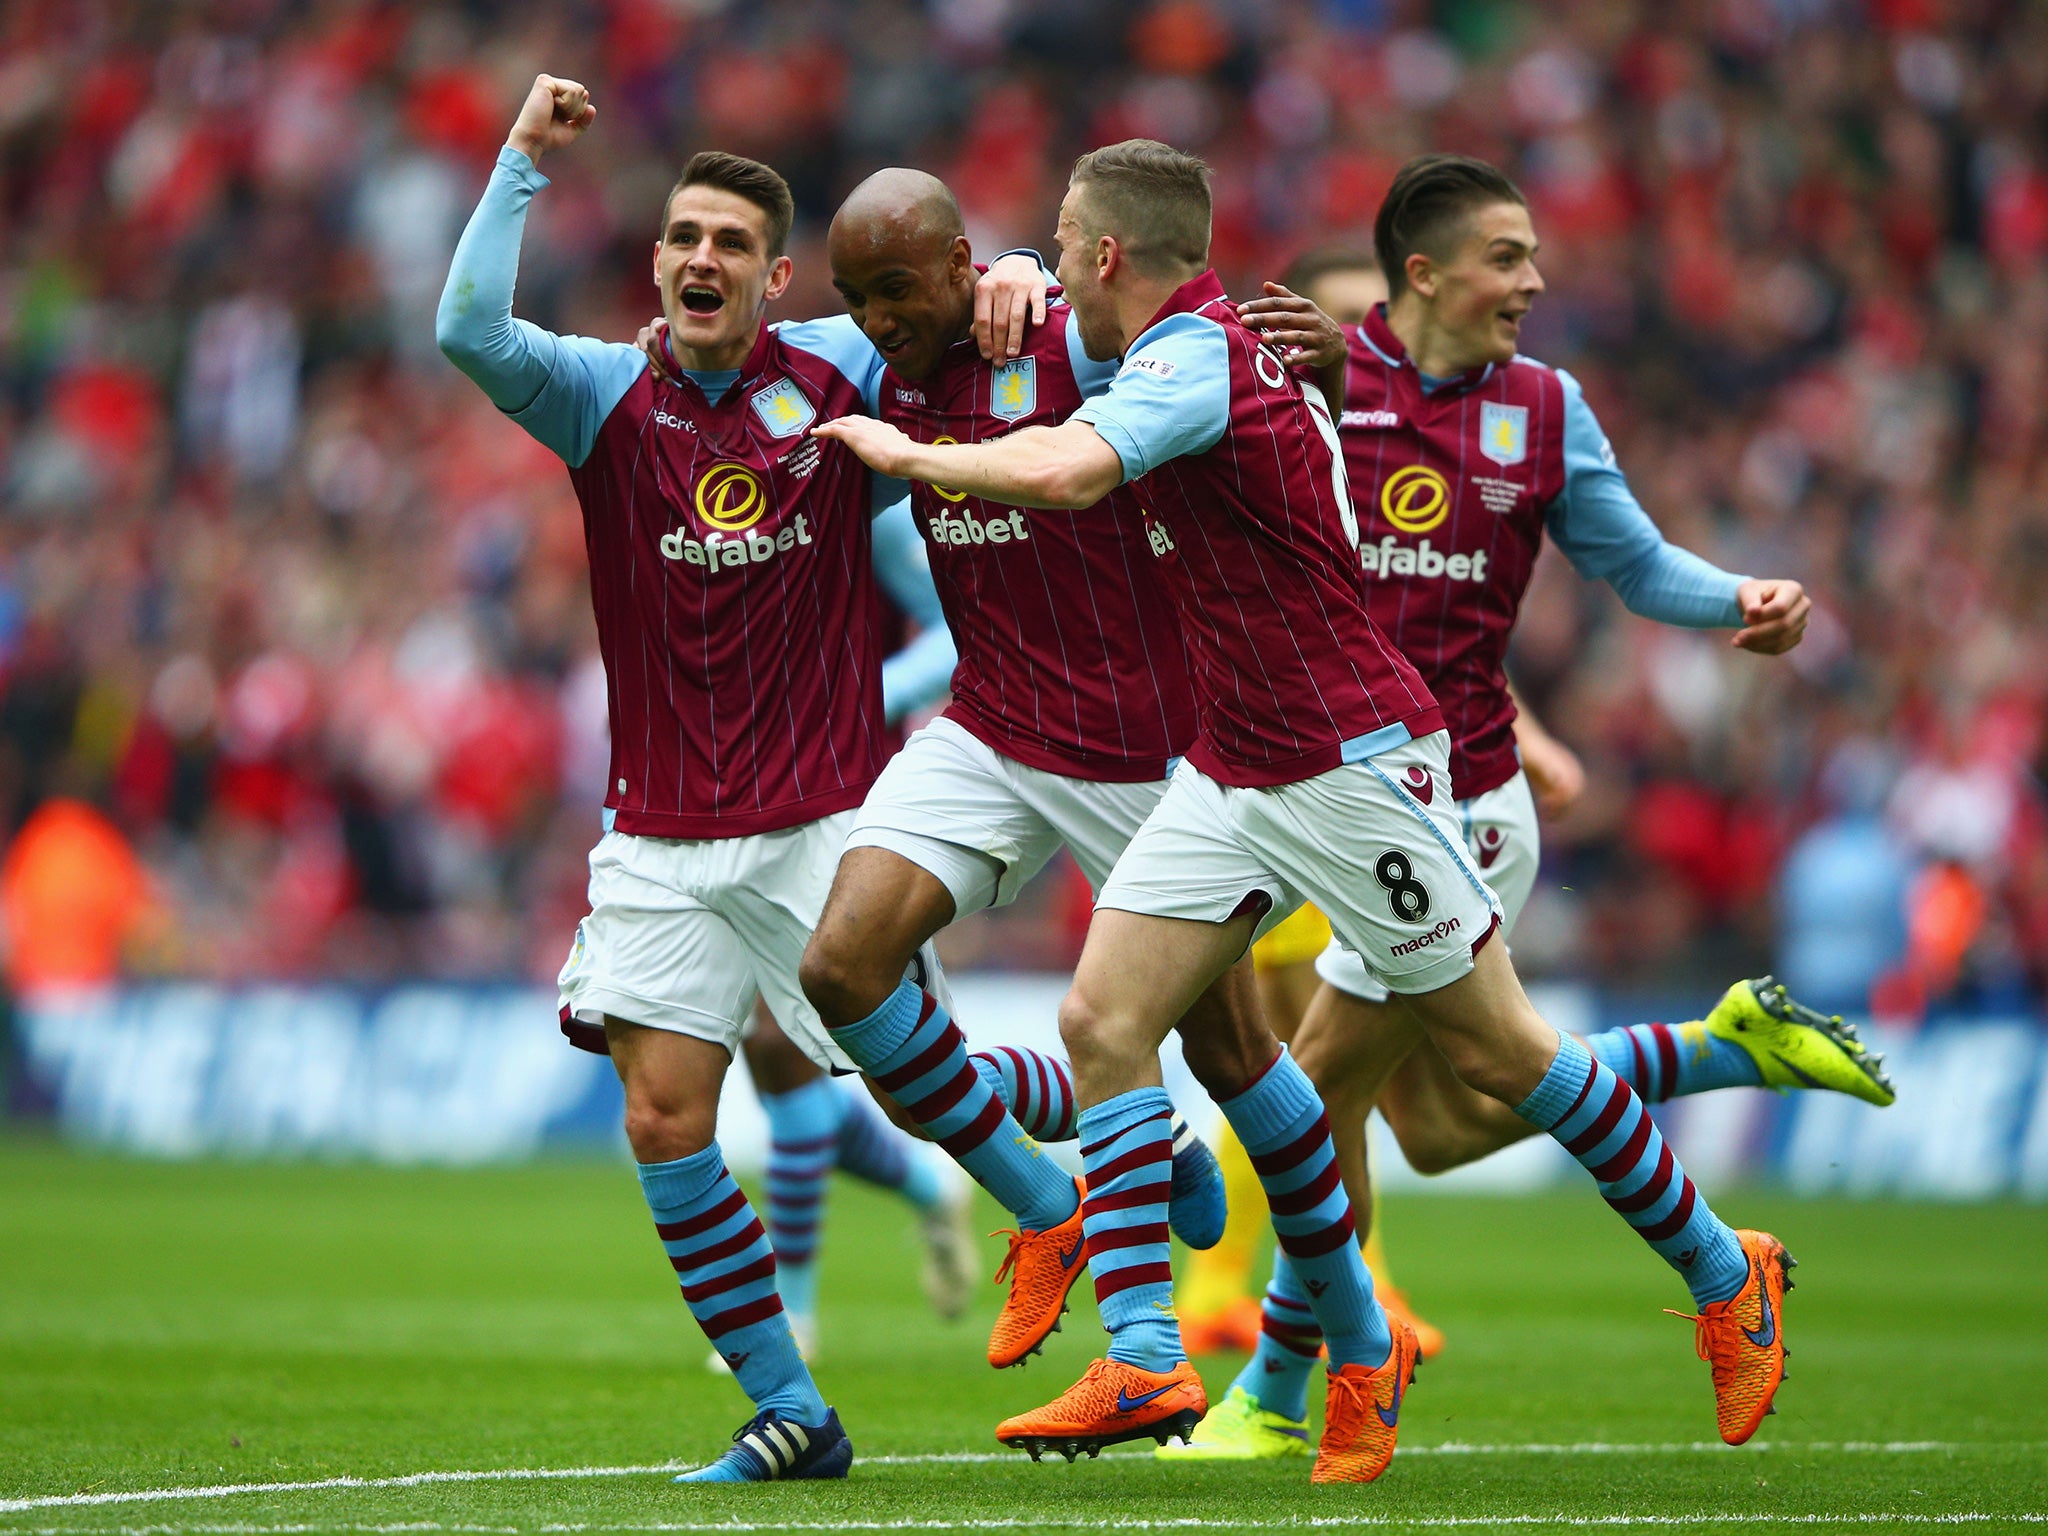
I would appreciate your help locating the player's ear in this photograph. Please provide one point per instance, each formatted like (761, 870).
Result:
(778, 277)
(1421, 274)
(1109, 258)
(960, 259)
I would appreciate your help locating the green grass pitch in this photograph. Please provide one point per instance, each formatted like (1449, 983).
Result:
(178, 1327)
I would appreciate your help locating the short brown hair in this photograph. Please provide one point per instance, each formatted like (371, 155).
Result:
(759, 184)
(1152, 198)
(1431, 194)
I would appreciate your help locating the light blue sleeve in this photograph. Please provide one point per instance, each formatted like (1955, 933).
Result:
(921, 672)
(1605, 533)
(919, 675)
(559, 388)
(1090, 377)
(846, 347)
(1170, 398)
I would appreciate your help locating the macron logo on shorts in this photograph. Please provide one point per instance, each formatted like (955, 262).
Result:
(1442, 930)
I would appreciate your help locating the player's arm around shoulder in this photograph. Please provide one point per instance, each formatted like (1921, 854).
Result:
(1605, 533)
(1306, 338)
(1067, 466)
(1171, 397)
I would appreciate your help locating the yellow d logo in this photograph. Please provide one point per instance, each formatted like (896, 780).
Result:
(942, 491)
(729, 497)
(1415, 499)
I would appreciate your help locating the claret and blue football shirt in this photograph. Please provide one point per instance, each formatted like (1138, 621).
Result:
(1237, 462)
(730, 556)
(1456, 481)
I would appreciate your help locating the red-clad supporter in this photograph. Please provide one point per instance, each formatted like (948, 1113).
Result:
(1794, 256)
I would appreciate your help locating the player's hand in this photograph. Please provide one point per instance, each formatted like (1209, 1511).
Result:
(878, 445)
(1774, 615)
(649, 341)
(1556, 776)
(1009, 298)
(1302, 332)
(553, 116)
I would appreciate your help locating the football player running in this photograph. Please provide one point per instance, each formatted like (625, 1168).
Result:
(1321, 773)
(1439, 399)
(731, 573)
(1047, 742)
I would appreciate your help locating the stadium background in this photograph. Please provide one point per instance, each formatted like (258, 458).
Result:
(301, 749)
(298, 682)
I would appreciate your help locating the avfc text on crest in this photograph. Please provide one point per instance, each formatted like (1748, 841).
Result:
(1013, 389)
(784, 409)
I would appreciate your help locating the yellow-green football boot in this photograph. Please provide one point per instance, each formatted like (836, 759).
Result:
(1793, 1046)
(1238, 1429)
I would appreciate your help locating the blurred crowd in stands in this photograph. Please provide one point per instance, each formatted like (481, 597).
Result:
(297, 670)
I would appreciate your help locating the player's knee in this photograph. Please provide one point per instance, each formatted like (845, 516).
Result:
(837, 981)
(1084, 1030)
(660, 1130)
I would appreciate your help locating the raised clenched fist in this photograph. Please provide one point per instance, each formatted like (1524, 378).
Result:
(553, 116)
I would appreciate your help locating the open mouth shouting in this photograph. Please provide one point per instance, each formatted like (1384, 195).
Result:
(699, 300)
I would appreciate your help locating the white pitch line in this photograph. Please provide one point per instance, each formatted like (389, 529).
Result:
(935, 1458)
(1857, 1519)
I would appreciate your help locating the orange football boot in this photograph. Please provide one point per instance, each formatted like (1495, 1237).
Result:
(1041, 1268)
(1361, 1413)
(1112, 1403)
(1743, 1338)
(1235, 1325)
(1429, 1338)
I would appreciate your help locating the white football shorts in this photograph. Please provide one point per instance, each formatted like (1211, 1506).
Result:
(983, 824)
(1502, 836)
(684, 935)
(1377, 845)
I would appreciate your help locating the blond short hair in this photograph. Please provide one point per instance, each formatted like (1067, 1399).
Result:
(1152, 199)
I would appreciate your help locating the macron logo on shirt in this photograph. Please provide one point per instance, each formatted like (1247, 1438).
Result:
(1370, 419)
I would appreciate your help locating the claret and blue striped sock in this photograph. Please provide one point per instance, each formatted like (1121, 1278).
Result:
(1284, 1130)
(1037, 1088)
(1599, 1119)
(1290, 1343)
(1667, 1061)
(1127, 1153)
(803, 1144)
(919, 1057)
(875, 1152)
(721, 1256)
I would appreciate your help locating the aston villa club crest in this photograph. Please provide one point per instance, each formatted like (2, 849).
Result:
(783, 408)
(1504, 433)
(1013, 389)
